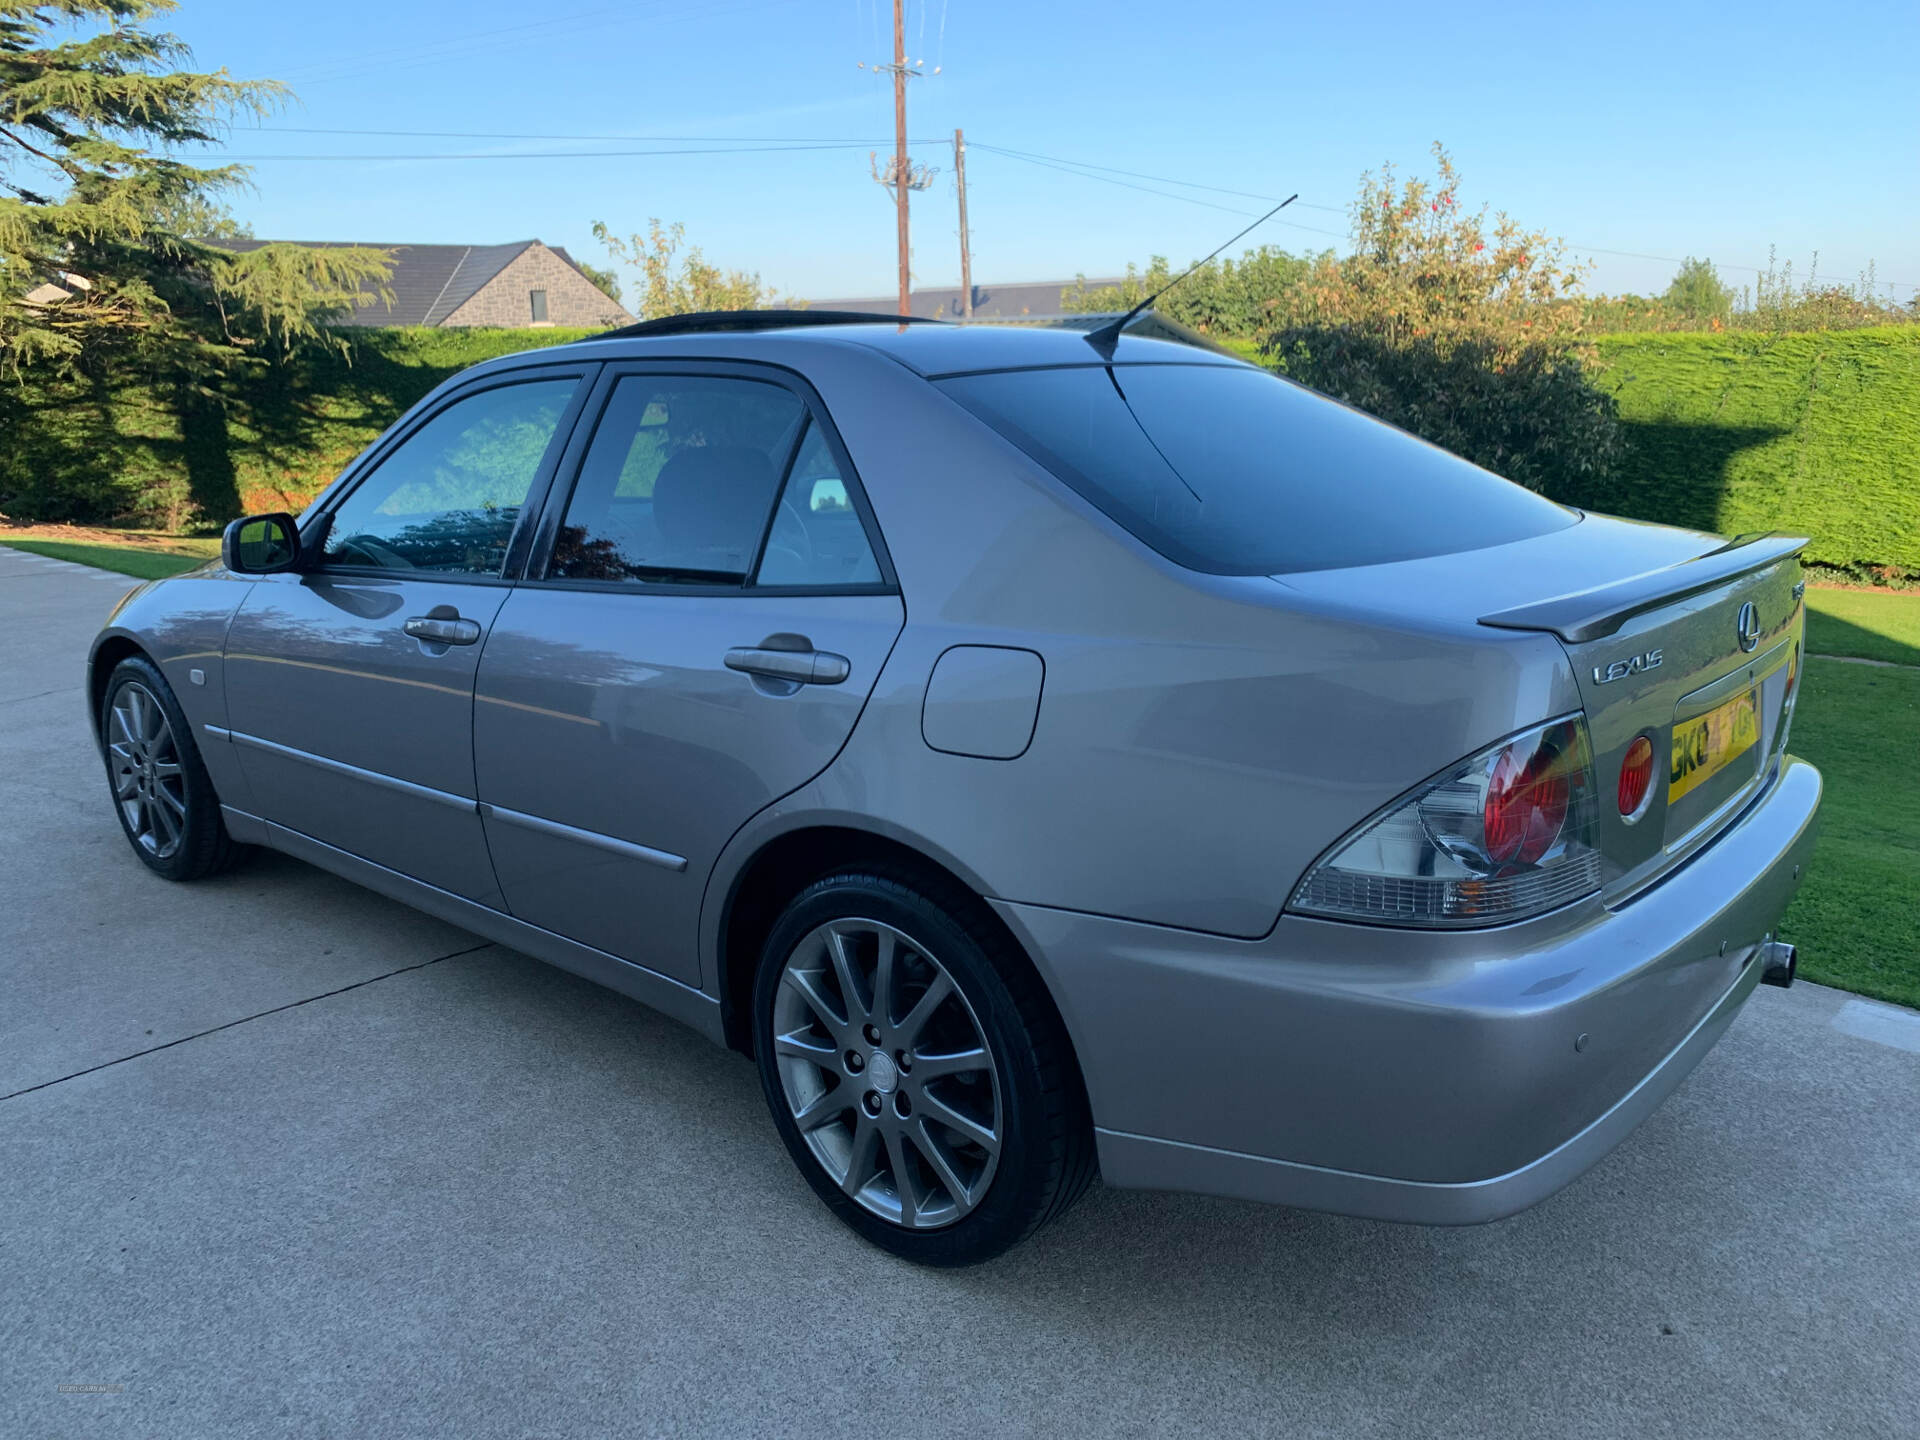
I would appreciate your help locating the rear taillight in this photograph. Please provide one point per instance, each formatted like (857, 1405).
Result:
(1636, 777)
(1504, 835)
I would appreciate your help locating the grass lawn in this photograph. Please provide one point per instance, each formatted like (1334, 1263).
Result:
(144, 558)
(1869, 624)
(1854, 916)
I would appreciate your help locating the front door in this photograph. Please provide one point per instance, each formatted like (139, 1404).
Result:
(696, 638)
(350, 684)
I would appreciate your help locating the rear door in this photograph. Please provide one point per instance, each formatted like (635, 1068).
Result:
(707, 607)
(350, 684)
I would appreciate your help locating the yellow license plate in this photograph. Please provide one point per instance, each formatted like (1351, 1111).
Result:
(1707, 744)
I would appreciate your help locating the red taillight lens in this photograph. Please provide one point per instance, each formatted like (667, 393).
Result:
(1636, 775)
(1527, 799)
(1793, 674)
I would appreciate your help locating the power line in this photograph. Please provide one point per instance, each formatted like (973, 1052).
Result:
(568, 154)
(1085, 170)
(516, 135)
(1163, 179)
(1069, 168)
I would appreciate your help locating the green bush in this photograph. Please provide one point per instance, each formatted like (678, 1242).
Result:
(1815, 432)
(1463, 329)
(131, 446)
(1222, 298)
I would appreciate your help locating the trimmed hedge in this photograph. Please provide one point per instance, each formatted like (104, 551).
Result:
(132, 447)
(1815, 432)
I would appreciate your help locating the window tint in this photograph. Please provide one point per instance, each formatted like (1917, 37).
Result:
(1233, 471)
(817, 538)
(676, 486)
(449, 497)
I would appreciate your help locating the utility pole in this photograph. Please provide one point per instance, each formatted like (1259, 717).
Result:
(966, 250)
(900, 175)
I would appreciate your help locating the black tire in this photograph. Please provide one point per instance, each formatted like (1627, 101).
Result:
(1046, 1157)
(202, 847)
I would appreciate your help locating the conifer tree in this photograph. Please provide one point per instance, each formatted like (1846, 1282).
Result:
(98, 195)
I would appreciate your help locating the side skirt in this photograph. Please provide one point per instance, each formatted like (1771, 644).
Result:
(682, 1002)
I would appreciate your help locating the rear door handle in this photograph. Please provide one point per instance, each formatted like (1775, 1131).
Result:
(804, 667)
(443, 631)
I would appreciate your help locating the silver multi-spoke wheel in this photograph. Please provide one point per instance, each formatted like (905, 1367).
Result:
(148, 782)
(887, 1073)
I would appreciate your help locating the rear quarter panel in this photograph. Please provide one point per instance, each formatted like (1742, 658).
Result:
(1200, 739)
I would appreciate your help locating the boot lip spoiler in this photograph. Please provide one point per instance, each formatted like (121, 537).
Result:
(1597, 613)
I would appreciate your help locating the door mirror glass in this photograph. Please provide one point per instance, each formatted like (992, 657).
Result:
(261, 544)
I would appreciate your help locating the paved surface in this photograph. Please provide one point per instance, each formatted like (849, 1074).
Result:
(279, 1157)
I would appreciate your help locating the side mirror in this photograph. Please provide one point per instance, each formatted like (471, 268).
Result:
(261, 545)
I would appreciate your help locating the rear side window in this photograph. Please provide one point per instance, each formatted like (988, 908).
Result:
(1233, 471)
(678, 481)
(816, 538)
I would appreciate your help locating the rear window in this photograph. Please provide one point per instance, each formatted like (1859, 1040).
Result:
(1233, 471)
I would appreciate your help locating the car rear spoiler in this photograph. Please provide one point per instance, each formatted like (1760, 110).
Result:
(1594, 614)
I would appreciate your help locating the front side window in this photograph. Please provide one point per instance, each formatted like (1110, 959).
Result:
(1229, 470)
(678, 481)
(448, 498)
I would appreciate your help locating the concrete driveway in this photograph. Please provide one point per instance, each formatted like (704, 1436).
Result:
(279, 1157)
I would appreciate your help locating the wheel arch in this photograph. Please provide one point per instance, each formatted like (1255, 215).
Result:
(108, 651)
(783, 864)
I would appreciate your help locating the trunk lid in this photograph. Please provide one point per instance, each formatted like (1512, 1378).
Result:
(1651, 619)
(1697, 657)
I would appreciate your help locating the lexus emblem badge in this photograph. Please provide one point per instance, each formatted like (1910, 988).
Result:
(1747, 626)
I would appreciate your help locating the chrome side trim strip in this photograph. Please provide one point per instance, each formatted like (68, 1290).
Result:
(340, 767)
(666, 859)
(218, 732)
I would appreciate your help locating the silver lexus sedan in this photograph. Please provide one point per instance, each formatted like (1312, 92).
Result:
(1040, 757)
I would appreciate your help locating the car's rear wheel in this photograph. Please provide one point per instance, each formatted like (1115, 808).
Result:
(916, 1071)
(161, 792)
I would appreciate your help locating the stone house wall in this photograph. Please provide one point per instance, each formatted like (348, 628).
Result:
(572, 299)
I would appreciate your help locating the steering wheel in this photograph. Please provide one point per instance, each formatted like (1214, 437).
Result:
(790, 533)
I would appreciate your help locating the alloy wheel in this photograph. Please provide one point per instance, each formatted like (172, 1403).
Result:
(887, 1073)
(148, 783)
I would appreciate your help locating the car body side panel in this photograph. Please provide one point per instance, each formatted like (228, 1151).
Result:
(615, 715)
(1168, 696)
(182, 625)
(321, 675)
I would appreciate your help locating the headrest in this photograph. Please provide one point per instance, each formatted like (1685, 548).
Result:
(710, 502)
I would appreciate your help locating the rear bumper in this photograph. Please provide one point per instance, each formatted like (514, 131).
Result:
(1439, 1078)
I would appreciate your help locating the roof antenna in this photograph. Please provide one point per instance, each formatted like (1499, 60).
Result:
(1107, 337)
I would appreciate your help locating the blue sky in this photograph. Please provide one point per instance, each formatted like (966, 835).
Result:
(1662, 129)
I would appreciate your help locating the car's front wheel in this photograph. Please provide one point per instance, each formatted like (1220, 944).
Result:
(917, 1072)
(161, 792)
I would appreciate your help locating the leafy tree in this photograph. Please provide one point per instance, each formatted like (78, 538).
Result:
(101, 224)
(1220, 298)
(1697, 292)
(1466, 331)
(676, 284)
(606, 281)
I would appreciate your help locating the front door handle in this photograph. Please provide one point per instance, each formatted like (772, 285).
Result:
(803, 667)
(443, 629)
